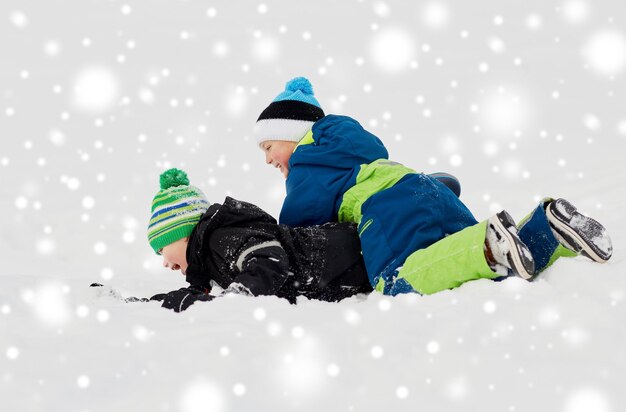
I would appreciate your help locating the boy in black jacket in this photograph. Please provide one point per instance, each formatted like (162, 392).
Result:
(242, 249)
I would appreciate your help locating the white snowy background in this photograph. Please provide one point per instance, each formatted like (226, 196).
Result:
(519, 99)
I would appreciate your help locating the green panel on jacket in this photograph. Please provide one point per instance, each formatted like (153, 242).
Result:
(372, 178)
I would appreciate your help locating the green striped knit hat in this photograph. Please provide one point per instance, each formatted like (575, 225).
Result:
(176, 209)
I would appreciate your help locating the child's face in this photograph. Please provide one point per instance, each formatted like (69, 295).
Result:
(277, 154)
(175, 255)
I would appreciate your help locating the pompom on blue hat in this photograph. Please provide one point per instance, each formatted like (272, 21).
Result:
(298, 89)
(291, 114)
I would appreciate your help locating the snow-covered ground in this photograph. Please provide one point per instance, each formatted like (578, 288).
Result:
(520, 100)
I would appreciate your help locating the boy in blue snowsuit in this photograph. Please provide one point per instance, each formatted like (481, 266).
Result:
(416, 234)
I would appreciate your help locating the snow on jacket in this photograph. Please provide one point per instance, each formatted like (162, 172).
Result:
(243, 249)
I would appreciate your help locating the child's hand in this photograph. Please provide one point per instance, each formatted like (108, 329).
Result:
(181, 299)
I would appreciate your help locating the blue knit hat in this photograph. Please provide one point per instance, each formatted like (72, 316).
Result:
(290, 115)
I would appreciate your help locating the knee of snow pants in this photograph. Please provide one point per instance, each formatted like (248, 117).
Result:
(447, 264)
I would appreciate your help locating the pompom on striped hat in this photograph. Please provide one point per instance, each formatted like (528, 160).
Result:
(176, 209)
(291, 115)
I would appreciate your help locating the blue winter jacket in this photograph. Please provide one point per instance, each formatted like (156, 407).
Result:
(341, 172)
(324, 166)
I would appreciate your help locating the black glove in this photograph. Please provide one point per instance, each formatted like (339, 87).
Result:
(181, 299)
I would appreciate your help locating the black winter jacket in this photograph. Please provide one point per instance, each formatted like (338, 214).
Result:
(243, 249)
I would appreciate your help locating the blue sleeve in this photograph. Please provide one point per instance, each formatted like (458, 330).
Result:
(307, 202)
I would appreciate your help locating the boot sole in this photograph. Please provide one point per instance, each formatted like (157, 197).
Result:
(519, 256)
(561, 217)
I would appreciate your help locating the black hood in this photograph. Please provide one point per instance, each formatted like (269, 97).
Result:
(232, 213)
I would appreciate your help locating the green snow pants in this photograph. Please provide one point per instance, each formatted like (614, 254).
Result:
(460, 257)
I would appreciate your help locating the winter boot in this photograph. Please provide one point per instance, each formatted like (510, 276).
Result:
(506, 254)
(578, 232)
